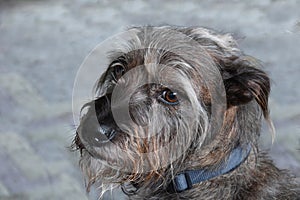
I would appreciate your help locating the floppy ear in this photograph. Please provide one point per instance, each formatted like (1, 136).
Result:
(244, 82)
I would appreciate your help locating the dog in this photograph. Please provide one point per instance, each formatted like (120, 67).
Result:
(177, 115)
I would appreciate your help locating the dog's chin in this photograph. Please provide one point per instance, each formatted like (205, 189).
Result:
(106, 170)
(104, 177)
(114, 163)
(97, 173)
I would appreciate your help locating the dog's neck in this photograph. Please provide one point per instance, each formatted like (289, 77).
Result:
(186, 179)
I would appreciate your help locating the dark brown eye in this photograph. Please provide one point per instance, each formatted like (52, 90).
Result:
(169, 97)
(118, 72)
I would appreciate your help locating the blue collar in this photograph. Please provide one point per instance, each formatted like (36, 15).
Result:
(185, 180)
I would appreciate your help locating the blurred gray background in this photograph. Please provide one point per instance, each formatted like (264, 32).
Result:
(43, 43)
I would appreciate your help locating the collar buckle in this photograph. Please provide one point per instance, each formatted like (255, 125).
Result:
(182, 182)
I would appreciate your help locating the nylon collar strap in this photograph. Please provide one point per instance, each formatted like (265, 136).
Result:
(185, 180)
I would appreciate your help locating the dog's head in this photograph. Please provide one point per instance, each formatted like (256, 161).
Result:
(171, 98)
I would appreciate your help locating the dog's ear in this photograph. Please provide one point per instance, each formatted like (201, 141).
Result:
(244, 81)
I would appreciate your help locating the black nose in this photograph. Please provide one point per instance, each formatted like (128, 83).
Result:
(98, 126)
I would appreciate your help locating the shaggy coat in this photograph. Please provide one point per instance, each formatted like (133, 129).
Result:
(174, 99)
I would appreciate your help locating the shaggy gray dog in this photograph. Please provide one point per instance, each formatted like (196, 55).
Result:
(177, 115)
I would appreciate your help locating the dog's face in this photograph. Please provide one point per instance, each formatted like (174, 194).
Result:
(163, 98)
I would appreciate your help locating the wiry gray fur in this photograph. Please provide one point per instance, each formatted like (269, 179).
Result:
(223, 95)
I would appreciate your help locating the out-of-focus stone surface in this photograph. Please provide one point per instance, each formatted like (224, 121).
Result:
(43, 43)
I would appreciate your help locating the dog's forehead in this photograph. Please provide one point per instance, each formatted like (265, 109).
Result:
(159, 45)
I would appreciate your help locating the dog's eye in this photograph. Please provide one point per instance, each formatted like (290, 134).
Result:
(169, 97)
(118, 72)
